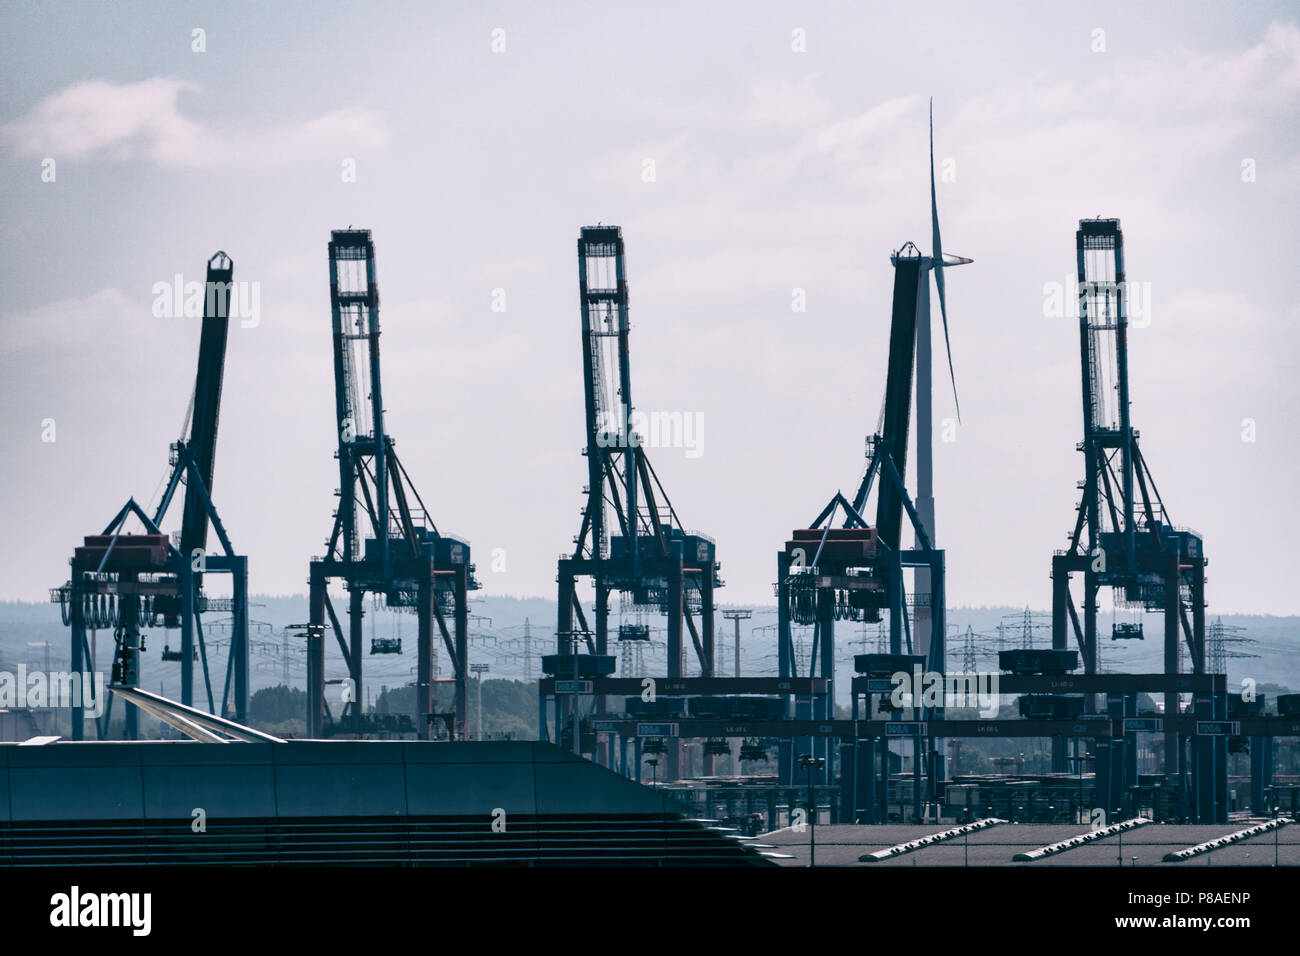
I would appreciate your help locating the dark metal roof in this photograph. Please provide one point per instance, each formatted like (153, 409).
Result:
(380, 802)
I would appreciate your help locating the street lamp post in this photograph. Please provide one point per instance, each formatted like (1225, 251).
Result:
(573, 639)
(1087, 755)
(737, 616)
(480, 670)
(1277, 807)
(811, 764)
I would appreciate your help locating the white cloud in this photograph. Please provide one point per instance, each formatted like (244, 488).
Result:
(1132, 136)
(786, 104)
(99, 119)
(121, 121)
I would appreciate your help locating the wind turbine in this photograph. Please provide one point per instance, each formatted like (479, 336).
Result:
(939, 261)
(935, 263)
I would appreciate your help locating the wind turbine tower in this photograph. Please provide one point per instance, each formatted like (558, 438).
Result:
(925, 395)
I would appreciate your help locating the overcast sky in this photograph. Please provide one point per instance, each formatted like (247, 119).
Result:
(788, 144)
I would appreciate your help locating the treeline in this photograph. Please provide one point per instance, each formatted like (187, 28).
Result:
(509, 708)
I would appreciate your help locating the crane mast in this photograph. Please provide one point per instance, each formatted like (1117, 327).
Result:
(641, 551)
(1123, 539)
(383, 541)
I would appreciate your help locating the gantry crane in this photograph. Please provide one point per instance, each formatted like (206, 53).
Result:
(130, 581)
(1130, 545)
(383, 540)
(855, 571)
(656, 564)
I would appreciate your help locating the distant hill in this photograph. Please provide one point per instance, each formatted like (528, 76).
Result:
(497, 631)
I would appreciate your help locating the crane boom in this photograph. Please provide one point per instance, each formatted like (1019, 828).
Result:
(202, 444)
(908, 277)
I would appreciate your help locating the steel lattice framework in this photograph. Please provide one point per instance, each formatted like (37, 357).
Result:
(383, 540)
(855, 571)
(130, 581)
(631, 539)
(1123, 538)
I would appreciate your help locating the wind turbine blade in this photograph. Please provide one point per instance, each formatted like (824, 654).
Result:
(937, 265)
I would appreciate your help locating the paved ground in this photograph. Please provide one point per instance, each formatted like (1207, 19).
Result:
(995, 846)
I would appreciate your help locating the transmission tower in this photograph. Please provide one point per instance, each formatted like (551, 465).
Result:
(1222, 641)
